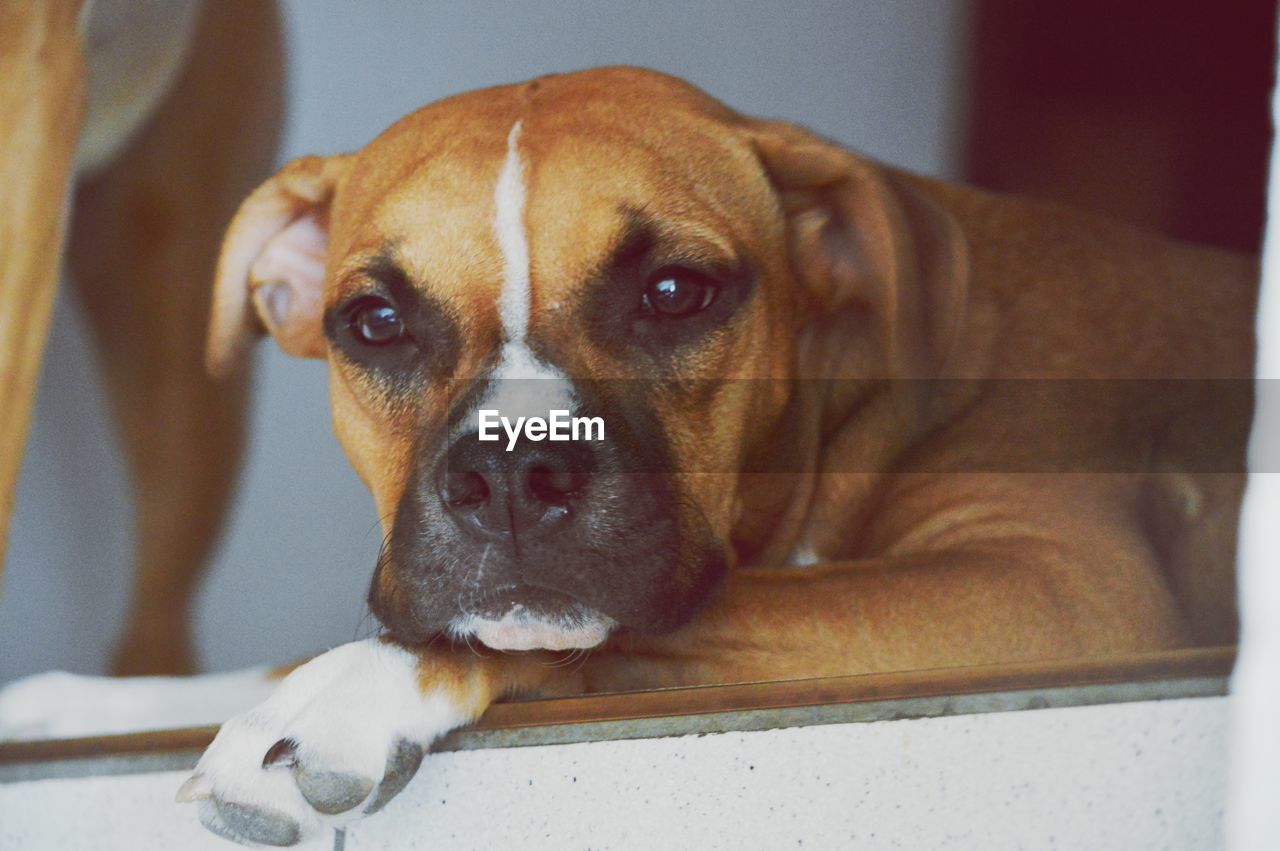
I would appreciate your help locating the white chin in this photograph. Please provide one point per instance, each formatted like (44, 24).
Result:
(517, 630)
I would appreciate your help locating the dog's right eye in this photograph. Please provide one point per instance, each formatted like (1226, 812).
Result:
(375, 321)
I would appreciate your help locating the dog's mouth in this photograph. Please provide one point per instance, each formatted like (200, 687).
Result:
(498, 601)
(522, 617)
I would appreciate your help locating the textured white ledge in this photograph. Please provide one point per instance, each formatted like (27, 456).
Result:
(1118, 776)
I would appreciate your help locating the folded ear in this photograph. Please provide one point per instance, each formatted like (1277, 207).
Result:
(273, 256)
(863, 238)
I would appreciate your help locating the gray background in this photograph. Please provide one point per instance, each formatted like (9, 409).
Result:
(884, 76)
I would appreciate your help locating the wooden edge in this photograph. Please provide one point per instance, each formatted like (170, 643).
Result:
(739, 697)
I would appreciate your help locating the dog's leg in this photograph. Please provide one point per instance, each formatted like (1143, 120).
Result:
(42, 90)
(936, 610)
(967, 570)
(143, 247)
(344, 733)
(1009, 576)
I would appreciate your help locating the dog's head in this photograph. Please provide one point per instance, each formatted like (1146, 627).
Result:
(613, 244)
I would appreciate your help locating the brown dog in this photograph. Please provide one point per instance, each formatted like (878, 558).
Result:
(149, 120)
(938, 402)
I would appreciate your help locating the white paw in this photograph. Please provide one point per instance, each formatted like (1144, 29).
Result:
(57, 704)
(340, 737)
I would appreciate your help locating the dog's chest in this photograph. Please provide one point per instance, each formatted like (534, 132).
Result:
(134, 51)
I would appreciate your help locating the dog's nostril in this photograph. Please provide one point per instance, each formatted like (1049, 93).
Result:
(554, 486)
(490, 493)
(465, 490)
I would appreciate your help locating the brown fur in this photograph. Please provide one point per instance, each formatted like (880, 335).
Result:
(42, 92)
(931, 556)
(143, 235)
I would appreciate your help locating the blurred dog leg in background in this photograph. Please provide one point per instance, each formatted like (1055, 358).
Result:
(134, 127)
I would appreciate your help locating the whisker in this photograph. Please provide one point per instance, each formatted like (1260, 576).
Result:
(567, 659)
(582, 660)
(383, 554)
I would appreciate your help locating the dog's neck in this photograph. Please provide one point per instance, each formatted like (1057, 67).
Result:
(785, 480)
(789, 491)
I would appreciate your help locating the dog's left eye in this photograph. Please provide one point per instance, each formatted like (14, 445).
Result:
(375, 321)
(678, 292)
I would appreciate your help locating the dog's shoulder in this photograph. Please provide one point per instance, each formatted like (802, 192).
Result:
(1112, 298)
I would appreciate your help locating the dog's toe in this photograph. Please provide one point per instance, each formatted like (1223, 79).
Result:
(401, 768)
(328, 792)
(250, 823)
(242, 799)
(332, 792)
(342, 736)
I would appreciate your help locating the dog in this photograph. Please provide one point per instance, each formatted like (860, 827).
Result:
(128, 142)
(853, 420)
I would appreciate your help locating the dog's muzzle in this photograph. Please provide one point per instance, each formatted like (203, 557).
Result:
(544, 544)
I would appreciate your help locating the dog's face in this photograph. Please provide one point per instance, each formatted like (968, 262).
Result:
(546, 250)
(611, 244)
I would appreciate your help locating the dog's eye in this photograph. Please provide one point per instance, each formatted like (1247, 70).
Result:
(376, 322)
(678, 292)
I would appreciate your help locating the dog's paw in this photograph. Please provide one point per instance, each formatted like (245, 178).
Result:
(340, 737)
(43, 706)
(58, 704)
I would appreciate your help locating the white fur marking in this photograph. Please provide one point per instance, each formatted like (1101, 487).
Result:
(802, 556)
(60, 705)
(346, 710)
(519, 629)
(508, 226)
(515, 302)
(134, 53)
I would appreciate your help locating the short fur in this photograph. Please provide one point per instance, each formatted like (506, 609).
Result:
(952, 409)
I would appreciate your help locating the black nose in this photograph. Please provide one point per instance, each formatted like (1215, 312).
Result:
(490, 491)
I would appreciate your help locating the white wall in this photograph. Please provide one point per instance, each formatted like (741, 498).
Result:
(1254, 819)
(291, 577)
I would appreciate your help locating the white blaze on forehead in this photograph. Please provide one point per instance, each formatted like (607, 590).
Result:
(508, 225)
(515, 302)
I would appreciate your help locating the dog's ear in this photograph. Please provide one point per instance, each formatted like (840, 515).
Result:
(862, 238)
(273, 256)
